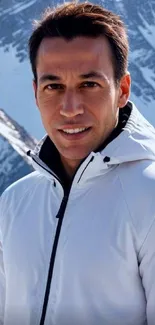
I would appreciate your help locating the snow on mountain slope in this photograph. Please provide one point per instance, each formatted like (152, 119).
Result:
(14, 143)
(15, 76)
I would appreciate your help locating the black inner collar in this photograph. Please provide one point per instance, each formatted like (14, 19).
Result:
(50, 155)
(124, 114)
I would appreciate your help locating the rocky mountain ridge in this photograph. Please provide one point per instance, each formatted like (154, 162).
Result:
(14, 144)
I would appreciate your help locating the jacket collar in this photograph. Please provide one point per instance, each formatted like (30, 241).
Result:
(47, 152)
(132, 140)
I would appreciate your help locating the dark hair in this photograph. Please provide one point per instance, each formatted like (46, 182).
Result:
(82, 19)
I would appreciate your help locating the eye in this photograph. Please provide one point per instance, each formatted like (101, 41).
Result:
(90, 84)
(54, 87)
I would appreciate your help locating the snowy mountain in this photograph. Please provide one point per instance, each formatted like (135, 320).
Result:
(14, 143)
(139, 17)
(16, 22)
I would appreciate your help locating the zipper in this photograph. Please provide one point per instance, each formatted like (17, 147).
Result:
(92, 158)
(47, 170)
(60, 216)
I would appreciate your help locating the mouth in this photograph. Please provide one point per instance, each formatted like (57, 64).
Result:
(74, 133)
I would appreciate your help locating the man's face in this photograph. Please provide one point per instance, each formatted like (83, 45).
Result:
(77, 95)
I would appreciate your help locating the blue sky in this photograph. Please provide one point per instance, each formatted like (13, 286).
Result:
(16, 93)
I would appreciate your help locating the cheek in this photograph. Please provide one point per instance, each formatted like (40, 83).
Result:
(46, 110)
(44, 101)
(48, 107)
(98, 105)
(100, 98)
(104, 110)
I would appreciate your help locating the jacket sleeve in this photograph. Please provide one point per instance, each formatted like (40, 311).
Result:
(2, 278)
(147, 272)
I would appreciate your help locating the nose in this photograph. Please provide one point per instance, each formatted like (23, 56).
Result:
(71, 104)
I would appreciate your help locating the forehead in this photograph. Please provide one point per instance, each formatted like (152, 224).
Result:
(80, 53)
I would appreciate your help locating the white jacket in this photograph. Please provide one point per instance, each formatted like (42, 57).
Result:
(103, 260)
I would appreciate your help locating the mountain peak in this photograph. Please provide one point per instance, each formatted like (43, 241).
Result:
(14, 144)
(16, 135)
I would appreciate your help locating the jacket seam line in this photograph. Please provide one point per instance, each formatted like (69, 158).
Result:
(150, 227)
(127, 205)
(146, 236)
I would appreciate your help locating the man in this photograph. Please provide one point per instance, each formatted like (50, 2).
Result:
(78, 234)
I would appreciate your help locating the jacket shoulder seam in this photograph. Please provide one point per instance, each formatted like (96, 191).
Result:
(127, 205)
(130, 214)
(146, 236)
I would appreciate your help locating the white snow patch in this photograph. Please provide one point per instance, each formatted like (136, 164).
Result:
(148, 31)
(13, 136)
(146, 109)
(120, 5)
(148, 75)
(7, 157)
(18, 7)
(138, 53)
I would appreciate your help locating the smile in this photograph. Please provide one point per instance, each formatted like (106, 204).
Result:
(73, 131)
(74, 134)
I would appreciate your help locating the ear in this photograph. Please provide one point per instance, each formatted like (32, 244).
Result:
(35, 91)
(124, 90)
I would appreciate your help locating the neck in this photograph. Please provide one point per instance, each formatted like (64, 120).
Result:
(70, 167)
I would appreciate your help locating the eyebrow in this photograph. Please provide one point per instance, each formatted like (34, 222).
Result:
(48, 77)
(89, 75)
(93, 74)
